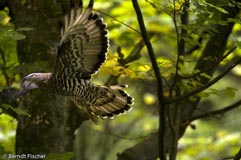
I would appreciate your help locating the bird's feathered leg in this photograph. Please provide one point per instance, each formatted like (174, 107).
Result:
(92, 115)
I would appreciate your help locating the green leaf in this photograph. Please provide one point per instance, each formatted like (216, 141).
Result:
(21, 111)
(18, 36)
(21, 29)
(155, 4)
(2, 150)
(4, 18)
(16, 110)
(215, 7)
(228, 92)
(205, 75)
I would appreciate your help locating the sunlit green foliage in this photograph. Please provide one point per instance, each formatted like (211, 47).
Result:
(113, 136)
(158, 17)
(7, 77)
(7, 133)
(213, 144)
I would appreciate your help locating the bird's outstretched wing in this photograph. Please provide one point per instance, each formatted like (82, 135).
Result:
(83, 46)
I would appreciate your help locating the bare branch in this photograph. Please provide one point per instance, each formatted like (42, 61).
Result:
(175, 118)
(135, 52)
(207, 85)
(118, 21)
(132, 56)
(238, 155)
(180, 47)
(194, 48)
(210, 67)
(162, 106)
(220, 111)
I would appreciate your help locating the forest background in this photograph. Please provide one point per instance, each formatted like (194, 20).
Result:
(182, 66)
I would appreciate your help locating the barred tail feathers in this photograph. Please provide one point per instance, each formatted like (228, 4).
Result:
(113, 101)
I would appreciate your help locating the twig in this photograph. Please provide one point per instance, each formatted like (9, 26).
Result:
(238, 155)
(207, 85)
(179, 52)
(228, 158)
(118, 21)
(220, 111)
(4, 67)
(135, 52)
(162, 106)
(64, 11)
(194, 48)
(132, 56)
(209, 67)
(173, 118)
(124, 137)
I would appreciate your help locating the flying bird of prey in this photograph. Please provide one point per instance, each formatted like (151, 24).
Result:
(80, 53)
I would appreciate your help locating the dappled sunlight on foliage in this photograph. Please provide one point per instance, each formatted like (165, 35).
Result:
(187, 60)
(208, 141)
(7, 133)
(8, 77)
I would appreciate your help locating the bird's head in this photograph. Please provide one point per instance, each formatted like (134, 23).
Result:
(35, 80)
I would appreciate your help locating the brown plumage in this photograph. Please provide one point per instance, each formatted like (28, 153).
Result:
(80, 53)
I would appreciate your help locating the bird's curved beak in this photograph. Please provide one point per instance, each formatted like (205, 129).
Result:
(27, 84)
(28, 77)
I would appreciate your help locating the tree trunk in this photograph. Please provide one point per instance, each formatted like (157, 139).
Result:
(53, 120)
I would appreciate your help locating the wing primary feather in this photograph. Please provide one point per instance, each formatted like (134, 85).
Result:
(78, 12)
(72, 16)
(84, 36)
(66, 23)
